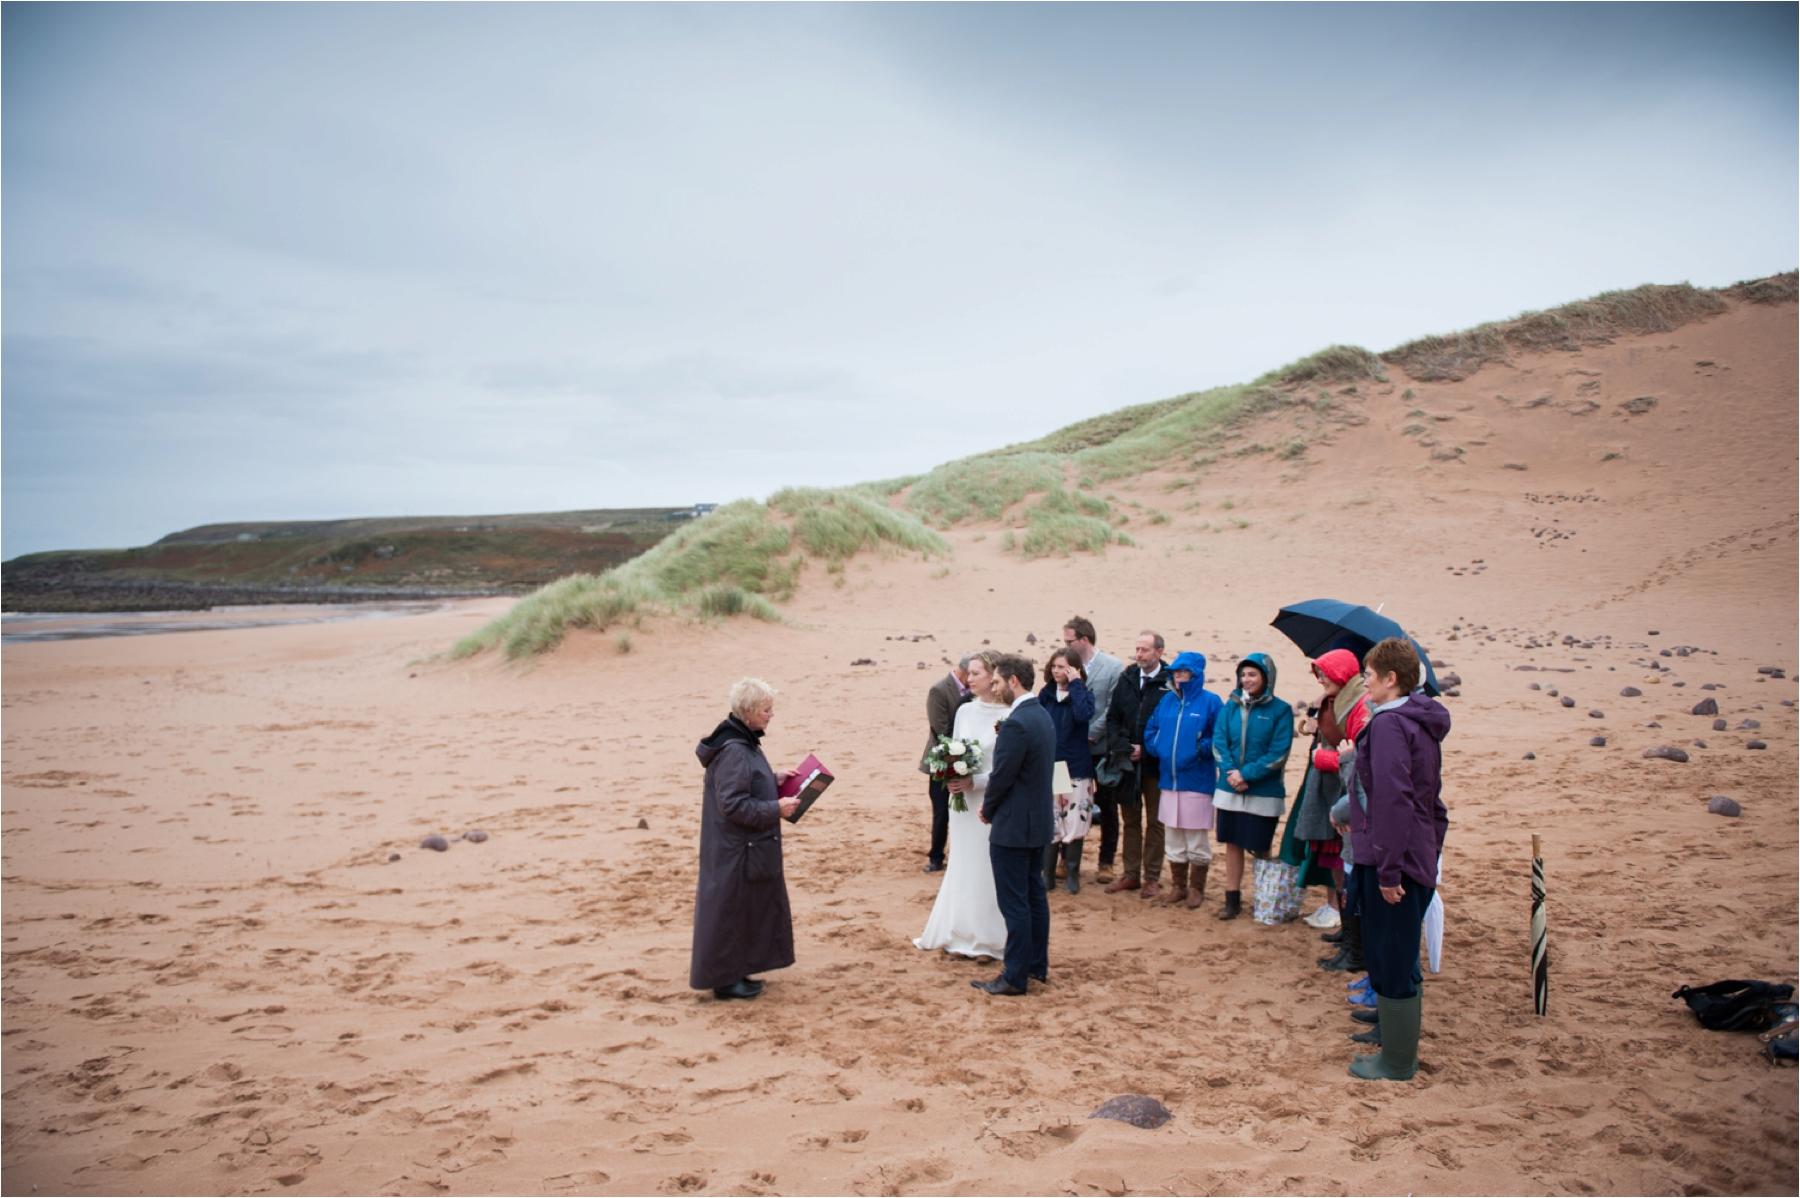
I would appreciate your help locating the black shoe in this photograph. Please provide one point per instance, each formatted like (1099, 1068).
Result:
(934, 867)
(1336, 964)
(999, 986)
(1364, 1014)
(1335, 936)
(1234, 905)
(1372, 1036)
(742, 989)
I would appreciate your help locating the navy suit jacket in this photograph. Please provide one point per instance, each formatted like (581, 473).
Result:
(1019, 808)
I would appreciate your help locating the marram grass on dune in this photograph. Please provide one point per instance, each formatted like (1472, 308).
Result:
(747, 556)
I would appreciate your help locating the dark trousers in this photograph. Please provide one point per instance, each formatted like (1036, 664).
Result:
(1025, 906)
(1391, 933)
(940, 821)
(1106, 815)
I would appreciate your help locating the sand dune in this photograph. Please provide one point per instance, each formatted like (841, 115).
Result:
(216, 980)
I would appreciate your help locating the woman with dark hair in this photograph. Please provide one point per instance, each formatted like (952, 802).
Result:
(742, 922)
(1071, 706)
(1251, 741)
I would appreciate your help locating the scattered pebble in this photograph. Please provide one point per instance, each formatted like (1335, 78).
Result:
(1771, 671)
(1537, 686)
(643, 825)
(474, 836)
(1653, 724)
(1599, 742)
(1719, 725)
(1630, 692)
(1596, 714)
(1667, 753)
(1531, 757)
(1553, 692)
(863, 661)
(1709, 686)
(1135, 1109)
(1567, 701)
(1721, 805)
(1756, 744)
(1031, 638)
(1700, 744)
(1706, 707)
(1746, 725)
(436, 844)
(393, 857)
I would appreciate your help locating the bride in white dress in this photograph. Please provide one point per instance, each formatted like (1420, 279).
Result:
(966, 920)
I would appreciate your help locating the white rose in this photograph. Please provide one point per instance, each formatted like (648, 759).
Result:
(961, 767)
(957, 748)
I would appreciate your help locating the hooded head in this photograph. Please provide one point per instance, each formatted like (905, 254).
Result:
(1338, 666)
(1264, 663)
(1430, 715)
(1194, 663)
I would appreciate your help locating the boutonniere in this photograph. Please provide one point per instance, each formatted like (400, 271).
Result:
(997, 724)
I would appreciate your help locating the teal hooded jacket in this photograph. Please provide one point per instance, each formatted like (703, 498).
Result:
(1254, 738)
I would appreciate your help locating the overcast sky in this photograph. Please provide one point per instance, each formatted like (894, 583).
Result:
(280, 262)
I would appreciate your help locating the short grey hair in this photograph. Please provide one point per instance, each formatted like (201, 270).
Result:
(1155, 638)
(750, 695)
(962, 663)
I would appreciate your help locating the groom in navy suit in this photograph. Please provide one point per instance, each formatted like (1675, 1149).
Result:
(1020, 811)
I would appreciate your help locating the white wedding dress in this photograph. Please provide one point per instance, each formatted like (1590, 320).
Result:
(966, 917)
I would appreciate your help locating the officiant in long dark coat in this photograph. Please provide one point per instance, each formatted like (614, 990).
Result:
(742, 922)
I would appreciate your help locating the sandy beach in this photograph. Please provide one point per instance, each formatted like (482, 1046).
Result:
(217, 981)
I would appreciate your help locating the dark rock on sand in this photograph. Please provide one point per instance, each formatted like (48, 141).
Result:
(1567, 701)
(863, 661)
(1772, 671)
(393, 857)
(1700, 744)
(1630, 692)
(1596, 714)
(1135, 1109)
(1756, 744)
(643, 825)
(436, 844)
(1706, 707)
(1746, 725)
(1719, 725)
(1599, 742)
(1536, 686)
(1553, 692)
(1450, 679)
(474, 836)
(1031, 638)
(1530, 756)
(1722, 805)
(1667, 753)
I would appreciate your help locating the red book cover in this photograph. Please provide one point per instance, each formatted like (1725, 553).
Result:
(809, 780)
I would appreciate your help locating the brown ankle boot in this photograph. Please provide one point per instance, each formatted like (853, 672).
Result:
(1178, 891)
(1197, 885)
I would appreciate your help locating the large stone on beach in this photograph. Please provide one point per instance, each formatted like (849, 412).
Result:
(436, 844)
(1631, 692)
(1135, 1109)
(1667, 753)
(1706, 707)
(474, 836)
(1719, 725)
(1721, 805)
(1756, 744)
(1599, 742)
(1567, 701)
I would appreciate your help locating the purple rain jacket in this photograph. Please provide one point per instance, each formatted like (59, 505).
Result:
(1398, 820)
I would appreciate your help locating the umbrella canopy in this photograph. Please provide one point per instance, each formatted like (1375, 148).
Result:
(1317, 626)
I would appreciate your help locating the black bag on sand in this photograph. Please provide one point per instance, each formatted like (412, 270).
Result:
(1736, 1006)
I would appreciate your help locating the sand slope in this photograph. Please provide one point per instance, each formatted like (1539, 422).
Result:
(215, 981)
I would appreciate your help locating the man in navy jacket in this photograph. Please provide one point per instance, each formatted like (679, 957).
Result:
(1020, 813)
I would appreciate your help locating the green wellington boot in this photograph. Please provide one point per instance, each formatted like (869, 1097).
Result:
(1398, 1059)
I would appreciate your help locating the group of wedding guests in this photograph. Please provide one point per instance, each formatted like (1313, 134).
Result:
(1166, 768)
(1168, 771)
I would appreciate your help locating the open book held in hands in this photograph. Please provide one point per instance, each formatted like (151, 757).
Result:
(809, 781)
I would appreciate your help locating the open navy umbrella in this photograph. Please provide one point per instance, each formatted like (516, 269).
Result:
(1317, 626)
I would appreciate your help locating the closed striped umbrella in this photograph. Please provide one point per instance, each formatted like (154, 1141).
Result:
(1540, 943)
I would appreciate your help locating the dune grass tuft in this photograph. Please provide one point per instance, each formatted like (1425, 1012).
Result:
(835, 525)
(1775, 289)
(725, 600)
(985, 486)
(539, 621)
(1333, 364)
(1652, 308)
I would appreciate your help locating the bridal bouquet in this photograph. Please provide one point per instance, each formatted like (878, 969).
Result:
(950, 760)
